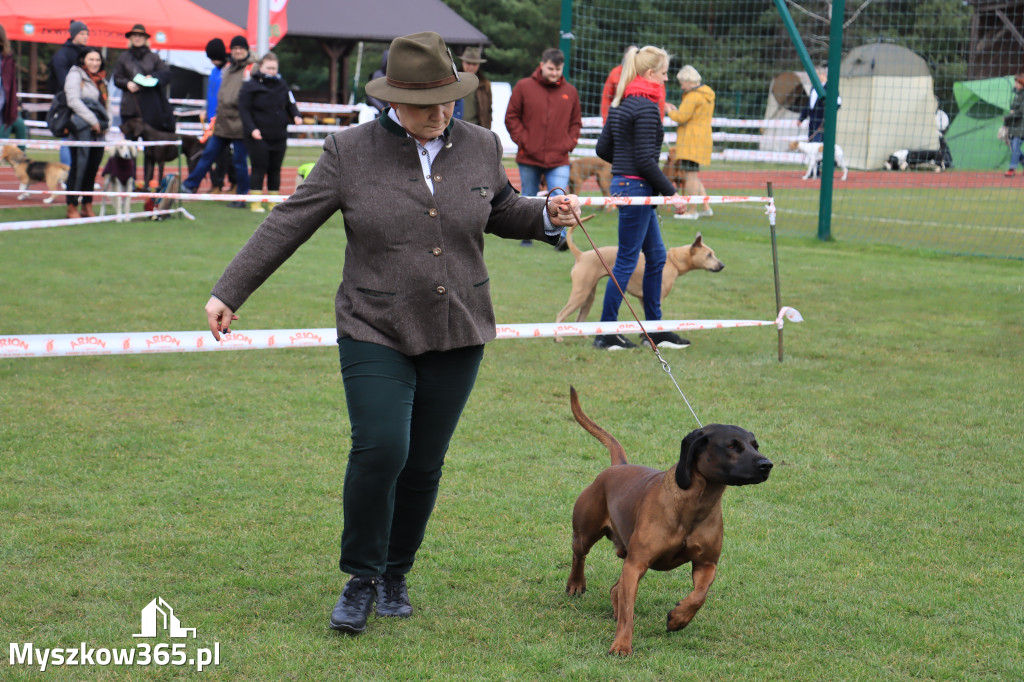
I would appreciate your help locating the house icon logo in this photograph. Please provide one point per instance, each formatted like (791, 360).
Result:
(158, 615)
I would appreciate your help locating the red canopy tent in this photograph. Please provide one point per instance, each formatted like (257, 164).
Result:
(173, 24)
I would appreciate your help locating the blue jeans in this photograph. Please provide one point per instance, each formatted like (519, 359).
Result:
(1015, 151)
(638, 231)
(529, 178)
(211, 151)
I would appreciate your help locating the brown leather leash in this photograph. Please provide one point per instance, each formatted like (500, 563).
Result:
(654, 347)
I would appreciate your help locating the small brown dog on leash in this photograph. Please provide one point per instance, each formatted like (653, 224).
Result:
(28, 171)
(583, 167)
(587, 271)
(661, 519)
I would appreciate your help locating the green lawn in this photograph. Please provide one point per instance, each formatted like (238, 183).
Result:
(886, 545)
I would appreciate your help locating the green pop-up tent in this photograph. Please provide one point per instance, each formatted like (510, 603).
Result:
(972, 134)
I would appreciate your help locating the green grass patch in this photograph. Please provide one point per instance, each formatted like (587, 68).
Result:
(886, 544)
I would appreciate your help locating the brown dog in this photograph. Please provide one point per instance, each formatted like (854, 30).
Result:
(28, 171)
(672, 170)
(582, 168)
(587, 271)
(661, 519)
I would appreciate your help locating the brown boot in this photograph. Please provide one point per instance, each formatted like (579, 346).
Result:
(73, 211)
(87, 211)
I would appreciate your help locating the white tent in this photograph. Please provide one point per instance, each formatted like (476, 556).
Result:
(888, 104)
(788, 94)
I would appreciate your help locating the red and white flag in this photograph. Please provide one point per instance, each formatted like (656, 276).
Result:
(278, 21)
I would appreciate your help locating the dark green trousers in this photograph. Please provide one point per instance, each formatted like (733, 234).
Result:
(403, 411)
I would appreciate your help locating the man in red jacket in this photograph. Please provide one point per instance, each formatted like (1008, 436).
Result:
(543, 119)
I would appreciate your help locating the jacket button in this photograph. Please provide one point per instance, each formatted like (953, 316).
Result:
(437, 178)
(437, 251)
(441, 290)
(432, 212)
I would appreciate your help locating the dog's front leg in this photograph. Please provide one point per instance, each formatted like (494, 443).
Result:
(624, 601)
(685, 610)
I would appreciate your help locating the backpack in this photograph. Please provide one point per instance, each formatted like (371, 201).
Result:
(58, 117)
(169, 184)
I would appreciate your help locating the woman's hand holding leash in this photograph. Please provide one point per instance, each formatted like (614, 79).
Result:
(219, 316)
(563, 210)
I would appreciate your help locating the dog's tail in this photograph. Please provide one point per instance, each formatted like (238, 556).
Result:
(576, 253)
(615, 448)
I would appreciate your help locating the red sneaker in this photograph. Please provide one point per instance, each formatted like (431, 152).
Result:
(1010, 173)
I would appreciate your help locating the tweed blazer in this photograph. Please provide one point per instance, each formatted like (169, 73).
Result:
(414, 277)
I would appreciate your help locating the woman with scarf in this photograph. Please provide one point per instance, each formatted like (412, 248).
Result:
(86, 90)
(267, 106)
(631, 141)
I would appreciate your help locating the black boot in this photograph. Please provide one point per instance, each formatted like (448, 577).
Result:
(354, 605)
(393, 596)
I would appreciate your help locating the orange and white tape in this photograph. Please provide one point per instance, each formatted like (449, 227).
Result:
(120, 343)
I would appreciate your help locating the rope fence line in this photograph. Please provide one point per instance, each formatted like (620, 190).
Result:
(127, 343)
(113, 217)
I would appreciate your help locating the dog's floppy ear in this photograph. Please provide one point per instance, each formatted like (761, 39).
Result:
(692, 444)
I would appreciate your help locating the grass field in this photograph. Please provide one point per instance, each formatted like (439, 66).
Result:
(886, 545)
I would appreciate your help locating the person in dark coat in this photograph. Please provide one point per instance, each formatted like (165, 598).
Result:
(144, 78)
(379, 73)
(67, 55)
(63, 59)
(266, 105)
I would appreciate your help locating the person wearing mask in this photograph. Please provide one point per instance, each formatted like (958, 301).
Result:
(86, 90)
(143, 78)
(631, 141)
(227, 129)
(414, 306)
(543, 119)
(11, 123)
(267, 106)
(63, 59)
(693, 137)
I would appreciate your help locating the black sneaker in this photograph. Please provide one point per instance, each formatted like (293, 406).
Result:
(526, 242)
(393, 597)
(235, 204)
(612, 342)
(354, 605)
(668, 340)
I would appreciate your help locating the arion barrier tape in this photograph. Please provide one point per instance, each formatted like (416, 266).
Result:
(119, 343)
(277, 198)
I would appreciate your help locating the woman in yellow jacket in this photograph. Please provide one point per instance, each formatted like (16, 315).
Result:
(693, 138)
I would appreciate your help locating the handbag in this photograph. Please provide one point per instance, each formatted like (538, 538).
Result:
(1003, 134)
(58, 116)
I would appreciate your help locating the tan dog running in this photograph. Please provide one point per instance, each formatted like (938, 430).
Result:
(661, 519)
(582, 168)
(587, 271)
(28, 171)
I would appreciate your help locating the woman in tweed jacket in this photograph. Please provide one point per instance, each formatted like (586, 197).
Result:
(418, 191)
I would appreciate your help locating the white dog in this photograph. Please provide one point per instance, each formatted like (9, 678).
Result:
(813, 152)
(119, 176)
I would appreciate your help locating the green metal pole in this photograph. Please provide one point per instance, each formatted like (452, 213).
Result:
(565, 30)
(798, 43)
(835, 53)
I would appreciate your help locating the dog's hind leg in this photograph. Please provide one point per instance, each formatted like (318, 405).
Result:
(22, 187)
(686, 609)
